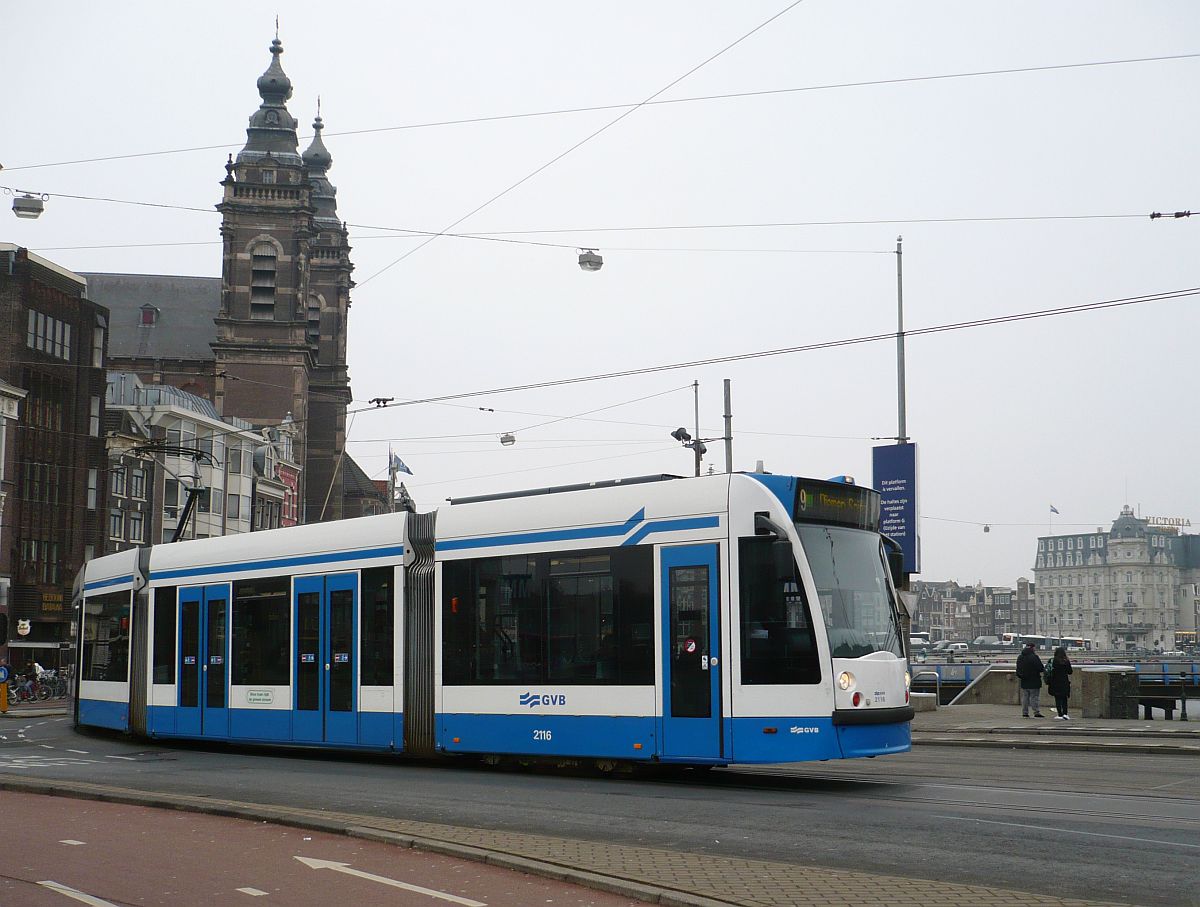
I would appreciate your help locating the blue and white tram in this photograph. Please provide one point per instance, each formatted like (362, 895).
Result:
(715, 620)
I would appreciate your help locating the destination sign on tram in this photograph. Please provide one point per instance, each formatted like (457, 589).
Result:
(842, 505)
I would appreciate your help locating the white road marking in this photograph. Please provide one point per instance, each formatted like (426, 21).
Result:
(126, 758)
(73, 843)
(1173, 784)
(81, 752)
(253, 892)
(45, 746)
(76, 895)
(1071, 831)
(383, 880)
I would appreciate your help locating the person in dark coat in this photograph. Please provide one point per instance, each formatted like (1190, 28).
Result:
(1029, 672)
(1059, 682)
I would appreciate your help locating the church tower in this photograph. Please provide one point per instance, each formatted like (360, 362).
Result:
(285, 293)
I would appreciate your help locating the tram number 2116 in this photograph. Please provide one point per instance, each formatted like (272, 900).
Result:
(542, 735)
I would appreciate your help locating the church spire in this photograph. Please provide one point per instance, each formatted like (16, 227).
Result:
(317, 160)
(272, 129)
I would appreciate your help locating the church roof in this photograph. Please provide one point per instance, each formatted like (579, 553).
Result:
(357, 484)
(182, 316)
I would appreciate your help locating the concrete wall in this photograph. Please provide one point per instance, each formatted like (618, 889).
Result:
(1091, 690)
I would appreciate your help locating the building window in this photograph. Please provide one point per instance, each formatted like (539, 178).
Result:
(232, 510)
(116, 525)
(268, 176)
(137, 484)
(149, 316)
(97, 347)
(1070, 544)
(263, 266)
(116, 481)
(92, 477)
(235, 460)
(137, 527)
(94, 418)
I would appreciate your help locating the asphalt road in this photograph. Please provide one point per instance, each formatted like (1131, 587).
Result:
(1103, 826)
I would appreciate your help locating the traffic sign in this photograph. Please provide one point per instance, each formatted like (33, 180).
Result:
(3, 673)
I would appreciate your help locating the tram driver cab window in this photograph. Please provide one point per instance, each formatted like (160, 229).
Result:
(778, 645)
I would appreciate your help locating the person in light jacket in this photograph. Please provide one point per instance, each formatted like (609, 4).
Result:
(1029, 672)
(1059, 682)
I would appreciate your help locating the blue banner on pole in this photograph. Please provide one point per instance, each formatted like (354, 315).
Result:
(894, 468)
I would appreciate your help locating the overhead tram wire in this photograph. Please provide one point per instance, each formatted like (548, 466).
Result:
(822, 345)
(654, 103)
(586, 139)
(762, 354)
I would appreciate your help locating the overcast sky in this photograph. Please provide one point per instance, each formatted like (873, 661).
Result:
(1084, 411)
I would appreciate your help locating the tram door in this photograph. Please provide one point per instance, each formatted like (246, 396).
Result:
(203, 661)
(691, 652)
(326, 659)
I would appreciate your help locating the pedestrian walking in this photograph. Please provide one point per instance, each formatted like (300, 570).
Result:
(1058, 681)
(1029, 672)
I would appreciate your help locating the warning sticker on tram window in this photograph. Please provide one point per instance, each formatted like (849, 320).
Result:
(217, 660)
(689, 646)
(189, 659)
(308, 658)
(341, 658)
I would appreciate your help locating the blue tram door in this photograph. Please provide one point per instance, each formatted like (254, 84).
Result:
(691, 650)
(325, 658)
(203, 705)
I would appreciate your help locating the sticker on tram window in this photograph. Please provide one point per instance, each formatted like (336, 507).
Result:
(341, 658)
(308, 658)
(189, 659)
(217, 660)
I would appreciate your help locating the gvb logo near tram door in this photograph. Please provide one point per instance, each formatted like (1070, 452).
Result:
(326, 670)
(204, 661)
(691, 650)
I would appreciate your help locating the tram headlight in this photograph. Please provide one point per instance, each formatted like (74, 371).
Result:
(845, 680)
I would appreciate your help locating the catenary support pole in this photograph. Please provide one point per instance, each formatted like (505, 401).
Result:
(728, 431)
(902, 430)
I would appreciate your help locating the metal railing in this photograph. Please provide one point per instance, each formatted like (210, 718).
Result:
(937, 682)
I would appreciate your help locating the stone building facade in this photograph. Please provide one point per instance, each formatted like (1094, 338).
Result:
(1129, 588)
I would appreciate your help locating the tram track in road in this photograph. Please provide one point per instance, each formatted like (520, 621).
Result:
(772, 782)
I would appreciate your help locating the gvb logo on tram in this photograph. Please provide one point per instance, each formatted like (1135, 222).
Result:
(535, 699)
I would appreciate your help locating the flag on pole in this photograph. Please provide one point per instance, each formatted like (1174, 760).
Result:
(397, 465)
(1053, 509)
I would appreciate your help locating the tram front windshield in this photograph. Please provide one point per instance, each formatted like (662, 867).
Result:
(856, 601)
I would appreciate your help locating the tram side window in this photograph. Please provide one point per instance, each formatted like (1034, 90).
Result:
(778, 644)
(581, 617)
(492, 621)
(261, 631)
(106, 637)
(378, 623)
(164, 635)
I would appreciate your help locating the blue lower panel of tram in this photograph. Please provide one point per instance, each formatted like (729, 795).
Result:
(549, 735)
(100, 713)
(260, 724)
(874, 739)
(376, 730)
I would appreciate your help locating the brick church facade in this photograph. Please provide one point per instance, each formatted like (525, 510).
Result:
(268, 339)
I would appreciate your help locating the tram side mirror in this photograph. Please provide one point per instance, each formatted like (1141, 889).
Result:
(781, 557)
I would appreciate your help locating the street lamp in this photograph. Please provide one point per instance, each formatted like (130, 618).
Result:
(29, 205)
(589, 260)
(695, 444)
